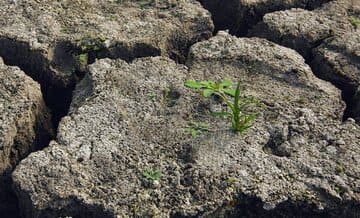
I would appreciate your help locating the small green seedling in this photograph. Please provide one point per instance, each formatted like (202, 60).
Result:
(151, 96)
(83, 58)
(196, 129)
(91, 43)
(240, 119)
(230, 181)
(89, 46)
(144, 4)
(152, 174)
(355, 22)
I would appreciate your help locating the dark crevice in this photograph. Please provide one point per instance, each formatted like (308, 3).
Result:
(70, 207)
(348, 90)
(57, 96)
(239, 19)
(8, 200)
(57, 91)
(128, 54)
(247, 206)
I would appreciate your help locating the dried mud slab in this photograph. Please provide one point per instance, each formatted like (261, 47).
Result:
(123, 29)
(130, 118)
(240, 15)
(24, 126)
(54, 41)
(303, 30)
(338, 60)
(327, 37)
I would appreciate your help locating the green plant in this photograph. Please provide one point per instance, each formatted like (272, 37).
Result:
(241, 119)
(230, 181)
(196, 129)
(91, 44)
(151, 96)
(152, 174)
(355, 22)
(144, 4)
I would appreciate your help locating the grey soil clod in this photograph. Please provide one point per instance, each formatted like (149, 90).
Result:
(298, 156)
(329, 40)
(54, 41)
(24, 125)
(109, 76)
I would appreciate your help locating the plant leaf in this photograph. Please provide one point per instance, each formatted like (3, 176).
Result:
(194, 133)
(230, 92)
(225, 83)
(208, 92)
(193, 84)
(209, 84)
(83, 58)
(221, 114)
(157, 174)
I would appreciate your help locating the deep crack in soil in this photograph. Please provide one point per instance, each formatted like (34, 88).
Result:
(240, 16)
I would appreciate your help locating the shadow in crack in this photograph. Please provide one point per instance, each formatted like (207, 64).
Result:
(251, 207)
(240, 16)
(56, 90)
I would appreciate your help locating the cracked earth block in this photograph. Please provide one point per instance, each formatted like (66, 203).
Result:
(298, 158)
(54, 41)
(327, 39)
(24, 124)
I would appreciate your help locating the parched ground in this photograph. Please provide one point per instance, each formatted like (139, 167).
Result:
(109, 76)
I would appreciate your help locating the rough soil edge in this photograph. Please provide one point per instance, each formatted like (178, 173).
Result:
(35, 65)
(32, 131)
(248, 206)
(310, 47)
(239, 19)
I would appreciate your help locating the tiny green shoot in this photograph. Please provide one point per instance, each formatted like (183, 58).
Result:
(83, 58)
(355, 22)
(241, 119)
(195, 129)
(152, 174)
(151, 96)
(89, 46)
(230, 181)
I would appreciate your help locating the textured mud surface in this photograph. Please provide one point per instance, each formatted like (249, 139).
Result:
(54, 41)
(24, 126)
(125, 113)
(329, 38)
(122, 122)
(238, 16)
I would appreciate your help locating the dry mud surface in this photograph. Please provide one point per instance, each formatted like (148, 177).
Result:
(93, 97)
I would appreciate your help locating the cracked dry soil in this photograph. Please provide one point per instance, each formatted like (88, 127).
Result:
(86, 108)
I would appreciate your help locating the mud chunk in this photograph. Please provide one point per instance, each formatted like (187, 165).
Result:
(24, 126)
(122, 127)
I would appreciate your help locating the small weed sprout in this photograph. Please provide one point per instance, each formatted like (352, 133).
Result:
(355, 22)
(151, 96)
(230, 181)
(196, 129)
(240, 119)
(89, 47)
(152, 174)
(91, 43)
